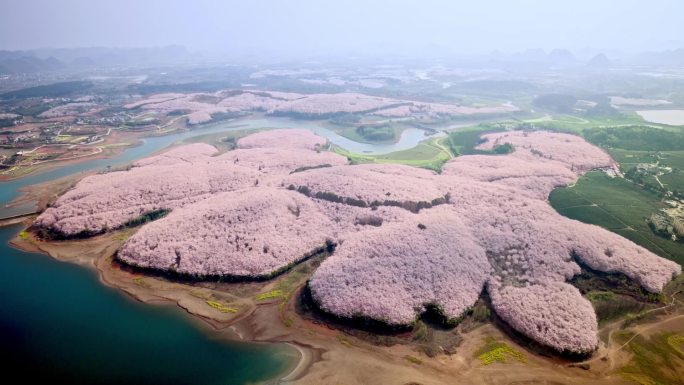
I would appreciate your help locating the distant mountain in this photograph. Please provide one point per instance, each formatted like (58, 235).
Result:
(43, 60)
(599, 61)
(28, 64)
(119, 56)
(665, 58)
(560, 103)
(532, 59)
(83, 63)
(53, 64)
(50, 90)
(561, 56)
(536, 54)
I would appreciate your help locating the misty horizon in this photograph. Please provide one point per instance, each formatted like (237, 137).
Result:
(349, 28)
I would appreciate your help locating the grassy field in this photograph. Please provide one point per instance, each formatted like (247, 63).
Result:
(619, 206)
(628, 158)
(222, 140)
(636, 137)
(464, 142)
(622, 205)
(383, 134)
(431, 154)
(70, 139)
(579, 124)
(673, 181)
(499, 352)
(656, 360)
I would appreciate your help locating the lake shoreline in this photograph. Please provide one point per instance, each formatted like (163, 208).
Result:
(215, 326)
(668, 117)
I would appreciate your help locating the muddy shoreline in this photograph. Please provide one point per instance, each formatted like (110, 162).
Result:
(110, 275)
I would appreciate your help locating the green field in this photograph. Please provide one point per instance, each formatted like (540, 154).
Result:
(674, 159)
(373, 134)
(70, 139)
(50, 90)
(464, 142)
(628, 159)
(672, 180)
(431, 154)
(617, 205)
(636, 137)
(224, 141)
(658, 359)
(572, 123)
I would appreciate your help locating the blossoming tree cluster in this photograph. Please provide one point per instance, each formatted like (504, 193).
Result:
(240, 233)
(201, 106)
(176, 178)
(406, 238)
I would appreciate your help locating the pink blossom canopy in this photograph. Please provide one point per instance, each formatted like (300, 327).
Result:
(406, 237)
(244, 233)
(200, 107)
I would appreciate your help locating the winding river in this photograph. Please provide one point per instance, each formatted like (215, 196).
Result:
(57, 321)
(10, 190)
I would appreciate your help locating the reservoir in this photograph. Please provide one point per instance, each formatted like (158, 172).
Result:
(670, 117)
(59, 322)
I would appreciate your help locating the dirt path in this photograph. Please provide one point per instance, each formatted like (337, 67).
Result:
(638, 330)
(437, 144)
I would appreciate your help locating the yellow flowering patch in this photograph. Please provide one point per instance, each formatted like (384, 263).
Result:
(413, 360)
(269, 295)
(344, 340)
(123, 235)
(500, 352)
(140, 281)
(221, 307)
(676, 342)
(639, 379)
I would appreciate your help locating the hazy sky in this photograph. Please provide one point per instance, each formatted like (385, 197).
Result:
(333, 26)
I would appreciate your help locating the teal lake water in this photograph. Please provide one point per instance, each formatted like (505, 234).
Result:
(58, 322)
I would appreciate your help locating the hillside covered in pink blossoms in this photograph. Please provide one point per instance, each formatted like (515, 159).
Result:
(178, 177)
(200, 107)
(406, 238)
(253, 230)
